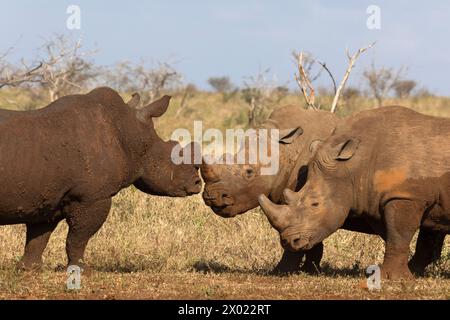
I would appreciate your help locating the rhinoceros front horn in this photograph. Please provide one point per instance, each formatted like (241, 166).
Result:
(209, 172)
(276, 214)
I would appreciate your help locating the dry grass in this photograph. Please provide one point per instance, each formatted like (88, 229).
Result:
(182, 285)
(152, 247)
(215, 113)
(177, 248)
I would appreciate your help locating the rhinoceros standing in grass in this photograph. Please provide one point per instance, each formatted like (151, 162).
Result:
(67, 160)
(234, 189)
(389, 167)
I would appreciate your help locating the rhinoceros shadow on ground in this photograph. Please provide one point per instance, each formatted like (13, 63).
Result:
(207, 266)
(215, 267)
(360, 271)
(219, 268)
(106, 268)
(327, 270)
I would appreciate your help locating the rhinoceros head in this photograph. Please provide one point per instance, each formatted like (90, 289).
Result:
(233, 189)
(158, 173)
(323, 204)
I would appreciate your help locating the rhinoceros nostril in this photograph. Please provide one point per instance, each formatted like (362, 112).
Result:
(296, 243)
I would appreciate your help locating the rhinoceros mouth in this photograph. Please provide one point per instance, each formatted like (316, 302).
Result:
(224, 211)
(303, 243)
(193, 190)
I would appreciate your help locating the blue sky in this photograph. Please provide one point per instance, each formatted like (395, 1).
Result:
(237, 38)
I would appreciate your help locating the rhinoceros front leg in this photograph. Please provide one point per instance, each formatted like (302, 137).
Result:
(38, 235)
(402, 218)
(84, 221)
(289, 263)
(428, 249)
(312, 259)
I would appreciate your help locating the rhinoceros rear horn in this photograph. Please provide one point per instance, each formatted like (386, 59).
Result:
(276, 214)
(195, 151)
(289, 196)
(315, 145)
(209, 172)
(134, 101)
(155, 109)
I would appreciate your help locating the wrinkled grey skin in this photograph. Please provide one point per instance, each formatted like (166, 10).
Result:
(389, 167)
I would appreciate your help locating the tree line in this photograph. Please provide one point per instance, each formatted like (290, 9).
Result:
(62, 67)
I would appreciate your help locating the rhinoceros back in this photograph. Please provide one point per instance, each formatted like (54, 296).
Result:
(46, 153)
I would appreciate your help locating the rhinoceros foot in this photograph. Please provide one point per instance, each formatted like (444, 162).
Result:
(289, 263)
(29, 265)
(311, 268)
(389, 272)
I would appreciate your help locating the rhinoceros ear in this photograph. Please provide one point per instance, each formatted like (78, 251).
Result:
(155, 109)
(288, 136)
(346, 149)
(134, 101)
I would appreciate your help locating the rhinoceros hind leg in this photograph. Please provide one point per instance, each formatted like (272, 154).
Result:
(428, 250)
(312, 260)
(289, 263)
(37, 238)
(84, 221)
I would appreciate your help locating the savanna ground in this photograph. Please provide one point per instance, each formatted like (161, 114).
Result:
(162, 248)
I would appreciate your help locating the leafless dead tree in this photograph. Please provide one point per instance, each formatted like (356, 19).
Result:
(65, 69)
(304, 82)
(305, 63)
(62, 69)
(304, 79)
(13, 76)
(351, 63)
(381, 81)
(260, 94)
(151, 81)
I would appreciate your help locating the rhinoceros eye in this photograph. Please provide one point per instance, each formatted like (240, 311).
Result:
(249, 173)
(315, 204)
